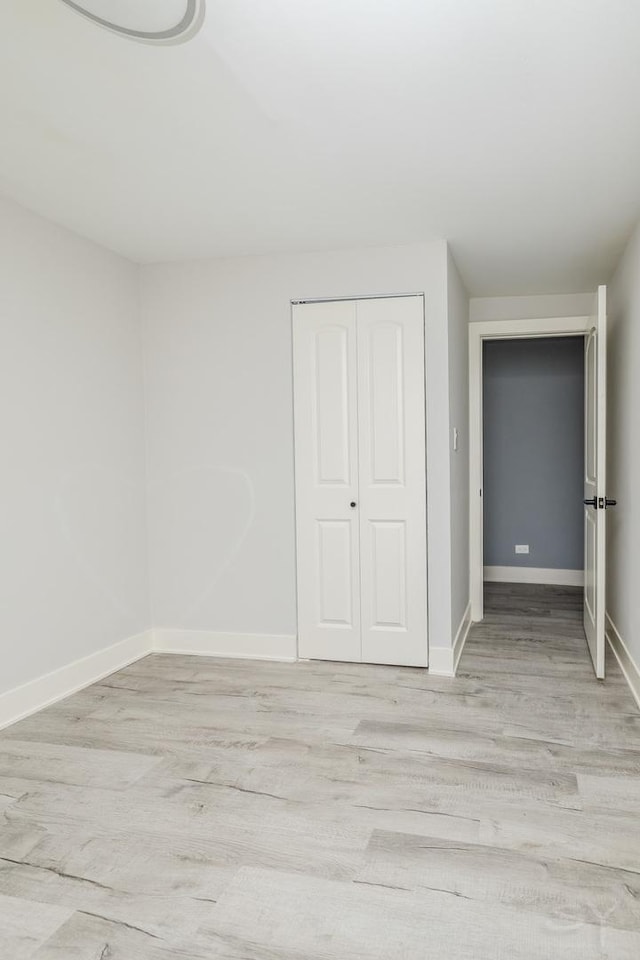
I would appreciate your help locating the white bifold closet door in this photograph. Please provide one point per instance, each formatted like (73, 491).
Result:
(359, 390)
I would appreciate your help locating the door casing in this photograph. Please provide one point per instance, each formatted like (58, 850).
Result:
(478, 333)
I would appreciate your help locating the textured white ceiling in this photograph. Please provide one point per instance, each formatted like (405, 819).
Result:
(509, 127)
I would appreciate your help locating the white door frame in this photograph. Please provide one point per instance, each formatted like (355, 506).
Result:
(478, 333)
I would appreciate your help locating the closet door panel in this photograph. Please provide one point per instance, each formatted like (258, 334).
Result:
(326, 448)
(383, 345)
(392, 480)
(388, 569)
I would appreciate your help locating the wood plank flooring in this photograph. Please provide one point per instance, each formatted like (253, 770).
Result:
(234, 810)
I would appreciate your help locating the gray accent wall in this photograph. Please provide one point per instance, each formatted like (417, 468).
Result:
(533, 411)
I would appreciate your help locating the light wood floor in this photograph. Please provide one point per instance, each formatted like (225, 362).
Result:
(203, 809)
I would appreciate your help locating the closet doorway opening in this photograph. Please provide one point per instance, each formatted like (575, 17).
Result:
(537, 475)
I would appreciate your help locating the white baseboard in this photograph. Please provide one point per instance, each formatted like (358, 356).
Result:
(461, 637)
(443, 661)
(548, 575)
(206, 643)
(43, 691)
(46, 690)
(629, 667)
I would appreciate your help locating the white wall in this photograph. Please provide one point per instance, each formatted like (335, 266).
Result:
(532, 307)
(72, 532)
(217, 487)
(220, 434)
(623, 449)
(458, 328)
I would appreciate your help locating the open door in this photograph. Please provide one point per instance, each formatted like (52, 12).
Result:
(595, 502)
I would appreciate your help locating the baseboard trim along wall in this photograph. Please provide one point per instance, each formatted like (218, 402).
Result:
(206, 643)
(629, 667)
(443, 661)
(43, 691)
(562, 578)
(461, 637)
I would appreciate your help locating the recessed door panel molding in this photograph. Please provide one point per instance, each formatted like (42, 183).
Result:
(389, 567)
(335, 564)
(331, 405)
(590, 541)
(361, 480)
(595, 491)
(591, 406)
(386, 401)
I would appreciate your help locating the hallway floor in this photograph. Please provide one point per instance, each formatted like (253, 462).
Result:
(201, 809)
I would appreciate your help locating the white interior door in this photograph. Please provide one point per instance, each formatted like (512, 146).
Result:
(326, 443)
(361, 480)
(392, 481)
(595, 514)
